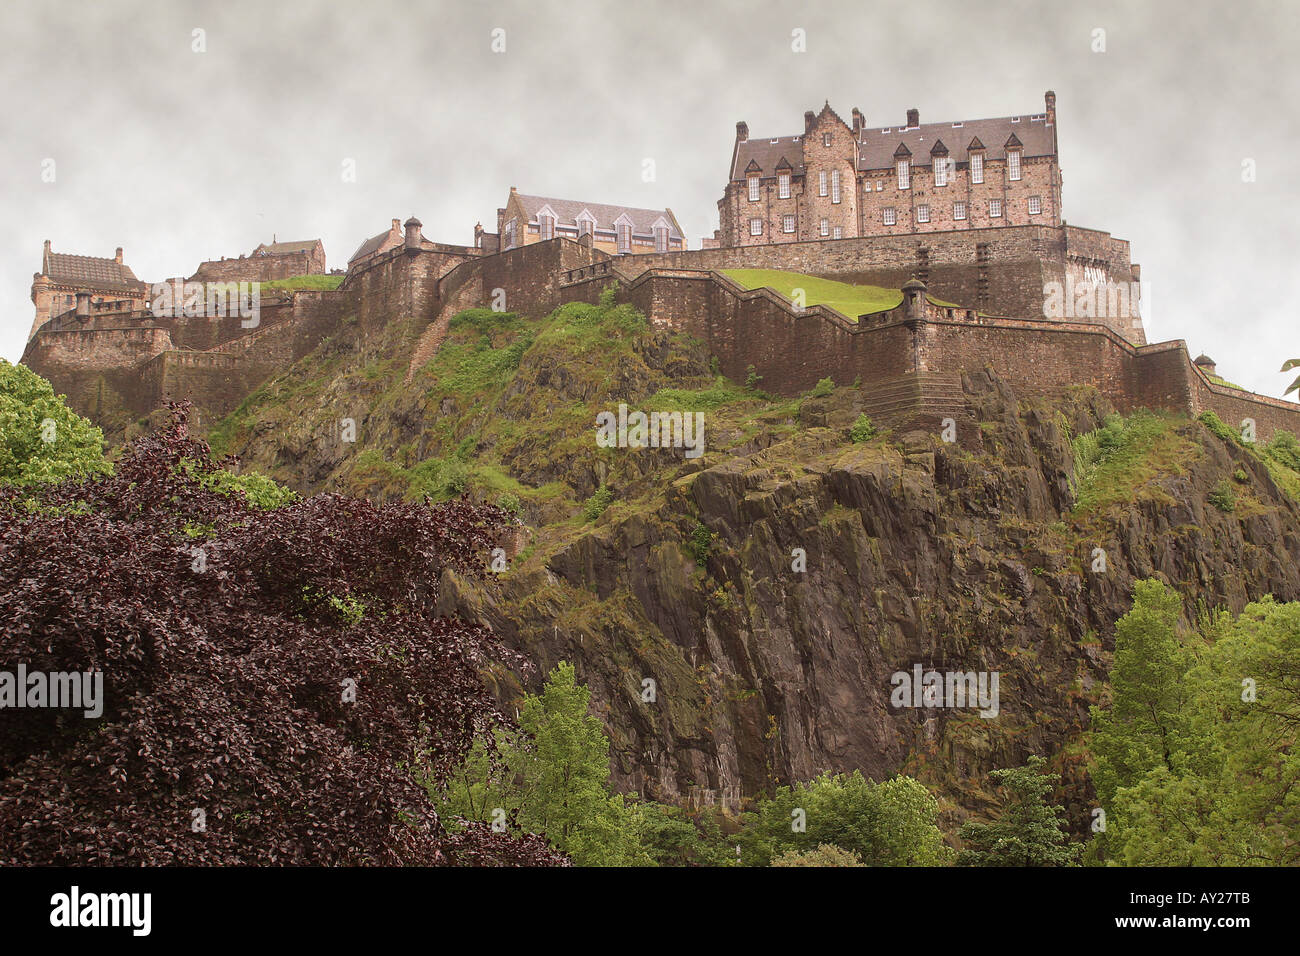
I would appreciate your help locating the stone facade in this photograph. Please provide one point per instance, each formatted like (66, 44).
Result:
(617, 230)
(274, 260)
(107, 283)
(839, 180)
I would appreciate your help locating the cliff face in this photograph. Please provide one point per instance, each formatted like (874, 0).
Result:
(739, 616)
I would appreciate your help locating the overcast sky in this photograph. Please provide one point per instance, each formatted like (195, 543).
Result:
(180, 156)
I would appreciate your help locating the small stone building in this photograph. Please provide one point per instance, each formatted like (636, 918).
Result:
(618, 230)
(63, 276)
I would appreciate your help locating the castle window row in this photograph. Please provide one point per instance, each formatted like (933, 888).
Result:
(888, 217)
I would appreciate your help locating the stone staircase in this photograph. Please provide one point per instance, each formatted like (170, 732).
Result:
(918, 399)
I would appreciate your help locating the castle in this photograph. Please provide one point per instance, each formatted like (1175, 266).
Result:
(119, 363)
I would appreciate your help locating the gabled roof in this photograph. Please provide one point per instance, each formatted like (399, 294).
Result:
(567, 211)
(286, 248)
(90, 272)
(764, 155)
(938, 149)
(879, 146)
(375, 243)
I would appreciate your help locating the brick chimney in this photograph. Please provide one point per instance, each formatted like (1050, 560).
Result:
(83, 305)
(1049, 100)
(913, 118)
(742, 132)
(858, 123)
(809, 117)
(117, 256)
(397, 226)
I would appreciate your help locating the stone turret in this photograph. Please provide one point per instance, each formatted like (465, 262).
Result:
(914, 299)
(412, 227)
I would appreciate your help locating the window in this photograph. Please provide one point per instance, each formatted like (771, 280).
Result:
(995, 208)
(904, 174)
(826, 227)
(890, 217)
(821, 183)
(787, 223)
(510, 234)
(1035, 205)
(826, 139)
(941, 170)
(838, 233)
(547, 224)
(923, 213)
(753, 189)
(1013, 164)
(661, 239)
(624, 237)
(755, 227)
(835, 185)
(586, 227)
(959, 210)
(783, 186)
(977, 167)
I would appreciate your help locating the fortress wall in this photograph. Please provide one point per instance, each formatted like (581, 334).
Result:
(216, 382)
(95, 348)
(397, 283)
(257, 268)
(532, 275)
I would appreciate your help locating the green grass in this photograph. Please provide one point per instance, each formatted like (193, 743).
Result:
(851, 300)
(1112, 464)
(325, 283)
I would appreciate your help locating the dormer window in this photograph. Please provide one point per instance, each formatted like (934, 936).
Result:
(783, 185)
(624, 231)
(586, 226)
(1013, 165)
(661, 238)
(546, 225)
(977, 167)
(941, 170)
(904, 167)
(753, 189)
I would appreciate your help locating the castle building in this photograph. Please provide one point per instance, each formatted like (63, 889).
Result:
(377, 245)
(618, 230)
(99, 281)
(273, 260)
(840, 180)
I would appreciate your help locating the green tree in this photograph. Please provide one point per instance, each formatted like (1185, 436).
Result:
(41, 439)
(1028, 831)
(886, 824)
(1288, 366)
(826, 854)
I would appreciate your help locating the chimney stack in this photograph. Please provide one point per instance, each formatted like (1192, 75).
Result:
(742, 131)
(397, 226)
(1049, 99)
(117, 256)
(808, 118)
(858, 122)
(913, 118)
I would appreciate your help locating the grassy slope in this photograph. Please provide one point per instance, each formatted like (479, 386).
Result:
(327, 283)
(851, 300)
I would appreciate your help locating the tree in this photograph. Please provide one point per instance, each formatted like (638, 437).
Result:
(888, 824)
(826, 854)
(274, 681)
(41, 439)
(1027, 832)
(1287, 366)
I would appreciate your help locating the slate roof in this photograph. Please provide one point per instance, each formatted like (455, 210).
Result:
(374, 243)
(89, 272)
(879, 145)
(767, 153)
(286, 248)
(567, 210)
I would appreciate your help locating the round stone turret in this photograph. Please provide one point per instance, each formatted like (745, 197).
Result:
(412, 227)
(914, 299)
(1205, 364)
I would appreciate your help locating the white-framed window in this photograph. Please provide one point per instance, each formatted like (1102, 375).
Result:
(977, 167)
(904, 174)
(547, 226)
(1013, 164)
(941, 170)
(995, 208)
(923, 213)
(826, 227)
(586, 227)
(783, 185)
(839, 233)
(958, 210)
(835, 185)
(661, 238)
(787, 223)
(624, 237)
(756, 227)
(890, 216)
(510, 234)
(1035, 205)
(753, 189)
(826, 139)
(821, 183)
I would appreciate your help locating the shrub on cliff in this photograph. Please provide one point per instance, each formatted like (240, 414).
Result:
(1027, 830)
(41, 439)
(273, 680)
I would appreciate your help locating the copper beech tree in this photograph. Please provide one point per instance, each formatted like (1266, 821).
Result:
(277, 683)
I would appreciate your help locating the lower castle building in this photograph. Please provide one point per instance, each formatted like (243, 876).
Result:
(102, 283)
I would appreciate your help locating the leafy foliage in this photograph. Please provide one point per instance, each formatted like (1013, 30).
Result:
(823, 387)
(227, 656)
(827, 854)
(1223, 496)
(595, 505)
(41, 439)
(1028, 831)
(863, 430)
(1287, 366)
